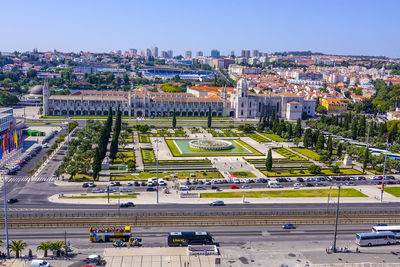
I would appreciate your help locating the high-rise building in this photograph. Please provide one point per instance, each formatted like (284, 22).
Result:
(232, 53)
(170, 53)
(147, 52)
(199, 53)
(132, 51)
(245, 53)
(256, 53)
(164, 54)
(215, 53)
(188, 54)
(154, 51)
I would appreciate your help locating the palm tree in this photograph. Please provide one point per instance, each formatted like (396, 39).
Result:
(17, 246)
(57, 246)
(45, 246)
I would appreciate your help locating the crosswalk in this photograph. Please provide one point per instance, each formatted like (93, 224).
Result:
(22, 179)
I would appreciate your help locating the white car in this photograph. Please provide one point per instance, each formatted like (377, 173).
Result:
(297, 185)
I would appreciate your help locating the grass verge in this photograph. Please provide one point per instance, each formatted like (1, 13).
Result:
(345, 192)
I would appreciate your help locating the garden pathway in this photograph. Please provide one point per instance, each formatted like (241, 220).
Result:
(228, 164)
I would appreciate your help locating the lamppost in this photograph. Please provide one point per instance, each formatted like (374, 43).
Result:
(157, 168)
(5, 211)
(384, 171)
(336, 222)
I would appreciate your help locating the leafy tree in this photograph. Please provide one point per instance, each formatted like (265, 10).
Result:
(57, 246)
(298, 131)
(45, 246)
(329, 146)
(335, 169)
(7, 99)
(131, 164)
(307, 140)
(268, 162)
(321, 110)
(209, 120)
(143, 128)
(314, 169)
(174, 120)
(247, 128)
(17, 246)
(296, 141)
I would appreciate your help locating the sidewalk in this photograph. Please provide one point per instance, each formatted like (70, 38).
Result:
(174, 198)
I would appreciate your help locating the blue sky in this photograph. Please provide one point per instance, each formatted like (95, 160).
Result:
(349, 27)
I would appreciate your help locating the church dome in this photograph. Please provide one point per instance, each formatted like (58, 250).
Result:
(36, 90)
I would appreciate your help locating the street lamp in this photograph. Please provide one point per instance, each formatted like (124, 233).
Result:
(336, 222)
(5, 212)
(157, 169)
(384, 171)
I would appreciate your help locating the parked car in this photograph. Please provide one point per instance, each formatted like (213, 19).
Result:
(298, 185)
(151, 189)
(85, 185)
(12, 200)
(98, 190)
(309, 184)
(127, 205)
(217, 203)
(214, 187)
(200, 188)
(136, 183)
(288, 226)
(381, 224)
(300, 180)
(92, 184)
(246, 186)
(234, 186)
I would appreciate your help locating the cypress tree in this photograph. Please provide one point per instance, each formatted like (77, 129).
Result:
(117, 131)
(268, 162)
(209, 120)
(339, 150)
(320, 142)
(174, 120)
(260, 123)
(96, 164)
(354, 131)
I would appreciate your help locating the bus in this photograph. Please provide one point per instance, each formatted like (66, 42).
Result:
(373, 238)
(392, 228)
(109, 234)
(183, 239)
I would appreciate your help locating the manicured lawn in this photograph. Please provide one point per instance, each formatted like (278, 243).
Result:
(345, 192)
(243, 174)
(148, 155)
(258, 138)
(99, 196)
(144, 138)
(129, 155)
(288, 154)
(82, 178)
(307, 152)
(395, 191)
(297, 172)
(241, 149)
(275, 137)
(179, 175)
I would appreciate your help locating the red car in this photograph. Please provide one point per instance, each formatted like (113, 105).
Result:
(234, 186)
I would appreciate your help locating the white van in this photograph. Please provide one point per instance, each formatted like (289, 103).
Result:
(39, 263)
(150, 181)
(161, 182)
(274, 184)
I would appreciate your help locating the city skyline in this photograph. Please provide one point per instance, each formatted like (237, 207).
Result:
(339, 28)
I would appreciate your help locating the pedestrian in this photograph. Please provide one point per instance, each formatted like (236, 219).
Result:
(356, 249)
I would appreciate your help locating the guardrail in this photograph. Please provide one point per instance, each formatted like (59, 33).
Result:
(203, 250)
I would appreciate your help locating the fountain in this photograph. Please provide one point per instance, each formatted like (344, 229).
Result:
(210, 144)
